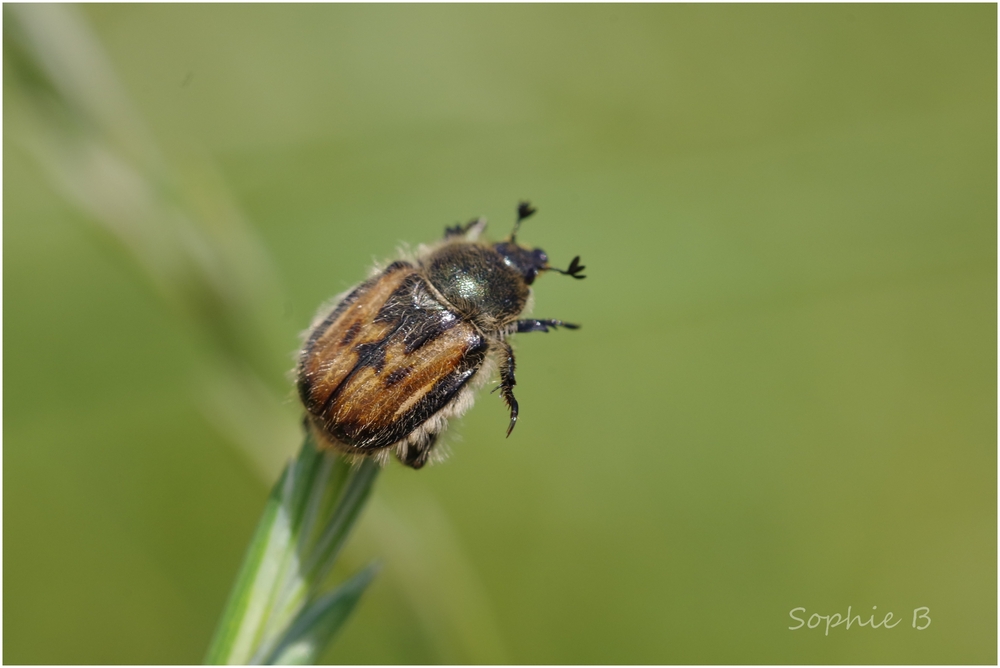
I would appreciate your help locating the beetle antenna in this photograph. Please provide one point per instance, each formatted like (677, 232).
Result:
(573, 270)
(524, 209)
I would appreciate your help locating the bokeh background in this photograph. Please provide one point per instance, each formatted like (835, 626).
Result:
(784, 393)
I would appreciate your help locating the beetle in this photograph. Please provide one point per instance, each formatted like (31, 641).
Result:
(387, 365)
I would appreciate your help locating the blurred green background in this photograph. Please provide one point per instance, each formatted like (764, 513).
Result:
(783, 395)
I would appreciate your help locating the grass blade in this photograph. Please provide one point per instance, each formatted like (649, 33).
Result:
(318, 623)
(238, 615)
(277, 608)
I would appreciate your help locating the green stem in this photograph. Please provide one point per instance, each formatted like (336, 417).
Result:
(306, 521)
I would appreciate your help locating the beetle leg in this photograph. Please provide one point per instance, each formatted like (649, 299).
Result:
(417, 453)
(462, 230)
(524, 326)
(507, 383)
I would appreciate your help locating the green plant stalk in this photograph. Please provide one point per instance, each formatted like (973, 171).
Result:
(277, 611)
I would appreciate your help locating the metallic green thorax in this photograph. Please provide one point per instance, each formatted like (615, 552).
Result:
(478, 281)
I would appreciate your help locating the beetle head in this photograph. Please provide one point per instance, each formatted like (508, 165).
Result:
(526, 262)
(529, 262)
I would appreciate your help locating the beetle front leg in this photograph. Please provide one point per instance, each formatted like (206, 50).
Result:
(507, 384)
(524, 326)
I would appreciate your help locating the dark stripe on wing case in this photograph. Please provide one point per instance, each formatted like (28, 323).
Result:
(334, 314)
(394, 377)
(400, 302)
(351, 333)
(365, 351)
(350, 299)
(433, 326)
(435, 400)
(371, 354)
(305, 383)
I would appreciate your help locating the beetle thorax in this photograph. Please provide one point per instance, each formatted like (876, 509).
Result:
(478, 283)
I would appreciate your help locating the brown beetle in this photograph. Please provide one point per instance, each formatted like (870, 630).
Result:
(403, 352)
